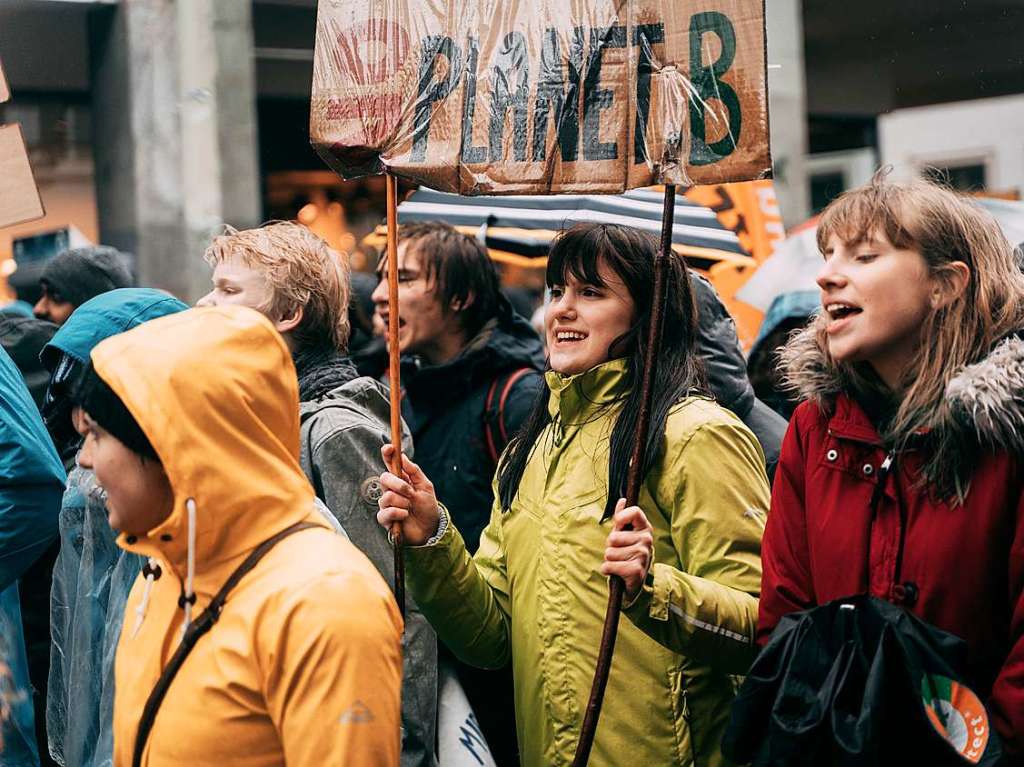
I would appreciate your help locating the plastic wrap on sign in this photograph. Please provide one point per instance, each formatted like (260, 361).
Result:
(542, 96)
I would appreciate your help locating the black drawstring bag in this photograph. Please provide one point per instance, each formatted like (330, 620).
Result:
(859, 681)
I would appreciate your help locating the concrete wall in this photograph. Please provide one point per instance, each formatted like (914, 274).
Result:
(787, 105)
(175, 132)
(985, 131)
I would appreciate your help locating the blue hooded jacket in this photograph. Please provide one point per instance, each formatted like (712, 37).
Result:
(31, 483)
(92, 577)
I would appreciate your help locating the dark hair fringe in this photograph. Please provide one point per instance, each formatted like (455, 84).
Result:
(630, 254)
(462, 271)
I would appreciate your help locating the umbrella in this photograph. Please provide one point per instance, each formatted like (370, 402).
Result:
(793, 267)
(520, 228)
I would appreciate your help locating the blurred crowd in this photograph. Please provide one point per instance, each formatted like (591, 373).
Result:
(825, 555)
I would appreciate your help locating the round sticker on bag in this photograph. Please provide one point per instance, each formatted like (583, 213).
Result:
(957, 715)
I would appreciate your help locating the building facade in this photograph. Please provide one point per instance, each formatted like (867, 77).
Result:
(151, 123)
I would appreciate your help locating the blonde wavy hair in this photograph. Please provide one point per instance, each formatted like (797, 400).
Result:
(301, 270)
(943, 227)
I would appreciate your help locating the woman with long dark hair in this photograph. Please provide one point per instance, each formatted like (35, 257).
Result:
(536, 589)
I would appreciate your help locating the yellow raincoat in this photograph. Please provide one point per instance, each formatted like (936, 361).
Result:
(534, 590)
(304, 665)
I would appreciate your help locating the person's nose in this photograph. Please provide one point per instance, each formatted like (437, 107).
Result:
(85, 453)
(206, 300)
(380, 293)
(40, 309)
(830, 276)
(564, 307)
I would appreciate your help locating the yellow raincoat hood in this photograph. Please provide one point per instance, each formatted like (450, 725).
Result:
(304, 665)
(221, 410)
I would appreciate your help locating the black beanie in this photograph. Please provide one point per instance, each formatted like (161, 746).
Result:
(23, 338)
(81, 273)
(107, 409)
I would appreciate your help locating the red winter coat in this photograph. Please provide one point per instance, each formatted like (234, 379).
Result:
(962, 567)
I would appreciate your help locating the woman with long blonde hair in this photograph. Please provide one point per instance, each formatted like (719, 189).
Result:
(905, 460)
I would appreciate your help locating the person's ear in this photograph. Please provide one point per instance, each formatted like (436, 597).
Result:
(460, 305)
(290, 321)
(949, 284)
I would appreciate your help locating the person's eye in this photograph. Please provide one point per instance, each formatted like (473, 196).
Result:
(591, 292)
(866, 258)
(556, 291)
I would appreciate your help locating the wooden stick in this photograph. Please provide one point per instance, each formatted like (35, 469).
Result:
(394, 376)
(634, 478)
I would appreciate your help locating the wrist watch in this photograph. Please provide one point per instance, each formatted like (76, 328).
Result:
(442, 526)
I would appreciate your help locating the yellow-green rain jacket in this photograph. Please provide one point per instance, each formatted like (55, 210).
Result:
(534, 590)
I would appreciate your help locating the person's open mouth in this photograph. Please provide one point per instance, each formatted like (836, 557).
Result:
(569, 336)
(840, 314)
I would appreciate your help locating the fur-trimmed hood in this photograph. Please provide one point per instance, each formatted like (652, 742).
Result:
(984, 402)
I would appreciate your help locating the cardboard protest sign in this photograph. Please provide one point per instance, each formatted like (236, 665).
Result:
(19, 197)
(535, 97)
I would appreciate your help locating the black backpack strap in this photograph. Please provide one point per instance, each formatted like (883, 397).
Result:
(200, 626)
(496, 446)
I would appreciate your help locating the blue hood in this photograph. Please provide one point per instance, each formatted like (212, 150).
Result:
(798, 304)
(31, 484)
(67, 353)
(108, 314)
(31, 477)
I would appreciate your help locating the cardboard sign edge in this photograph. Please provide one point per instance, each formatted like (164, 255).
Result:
(40, 209)
(5, 90)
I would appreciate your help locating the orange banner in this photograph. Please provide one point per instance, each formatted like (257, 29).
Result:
(749, 209)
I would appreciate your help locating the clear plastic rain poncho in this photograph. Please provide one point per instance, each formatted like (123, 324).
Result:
(92, 576)
(91, 581)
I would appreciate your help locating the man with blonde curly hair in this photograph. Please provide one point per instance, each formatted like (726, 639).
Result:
(302, 286)
(288, 274)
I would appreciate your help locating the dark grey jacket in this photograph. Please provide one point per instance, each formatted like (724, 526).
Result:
(719, 348)
(341, 437)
